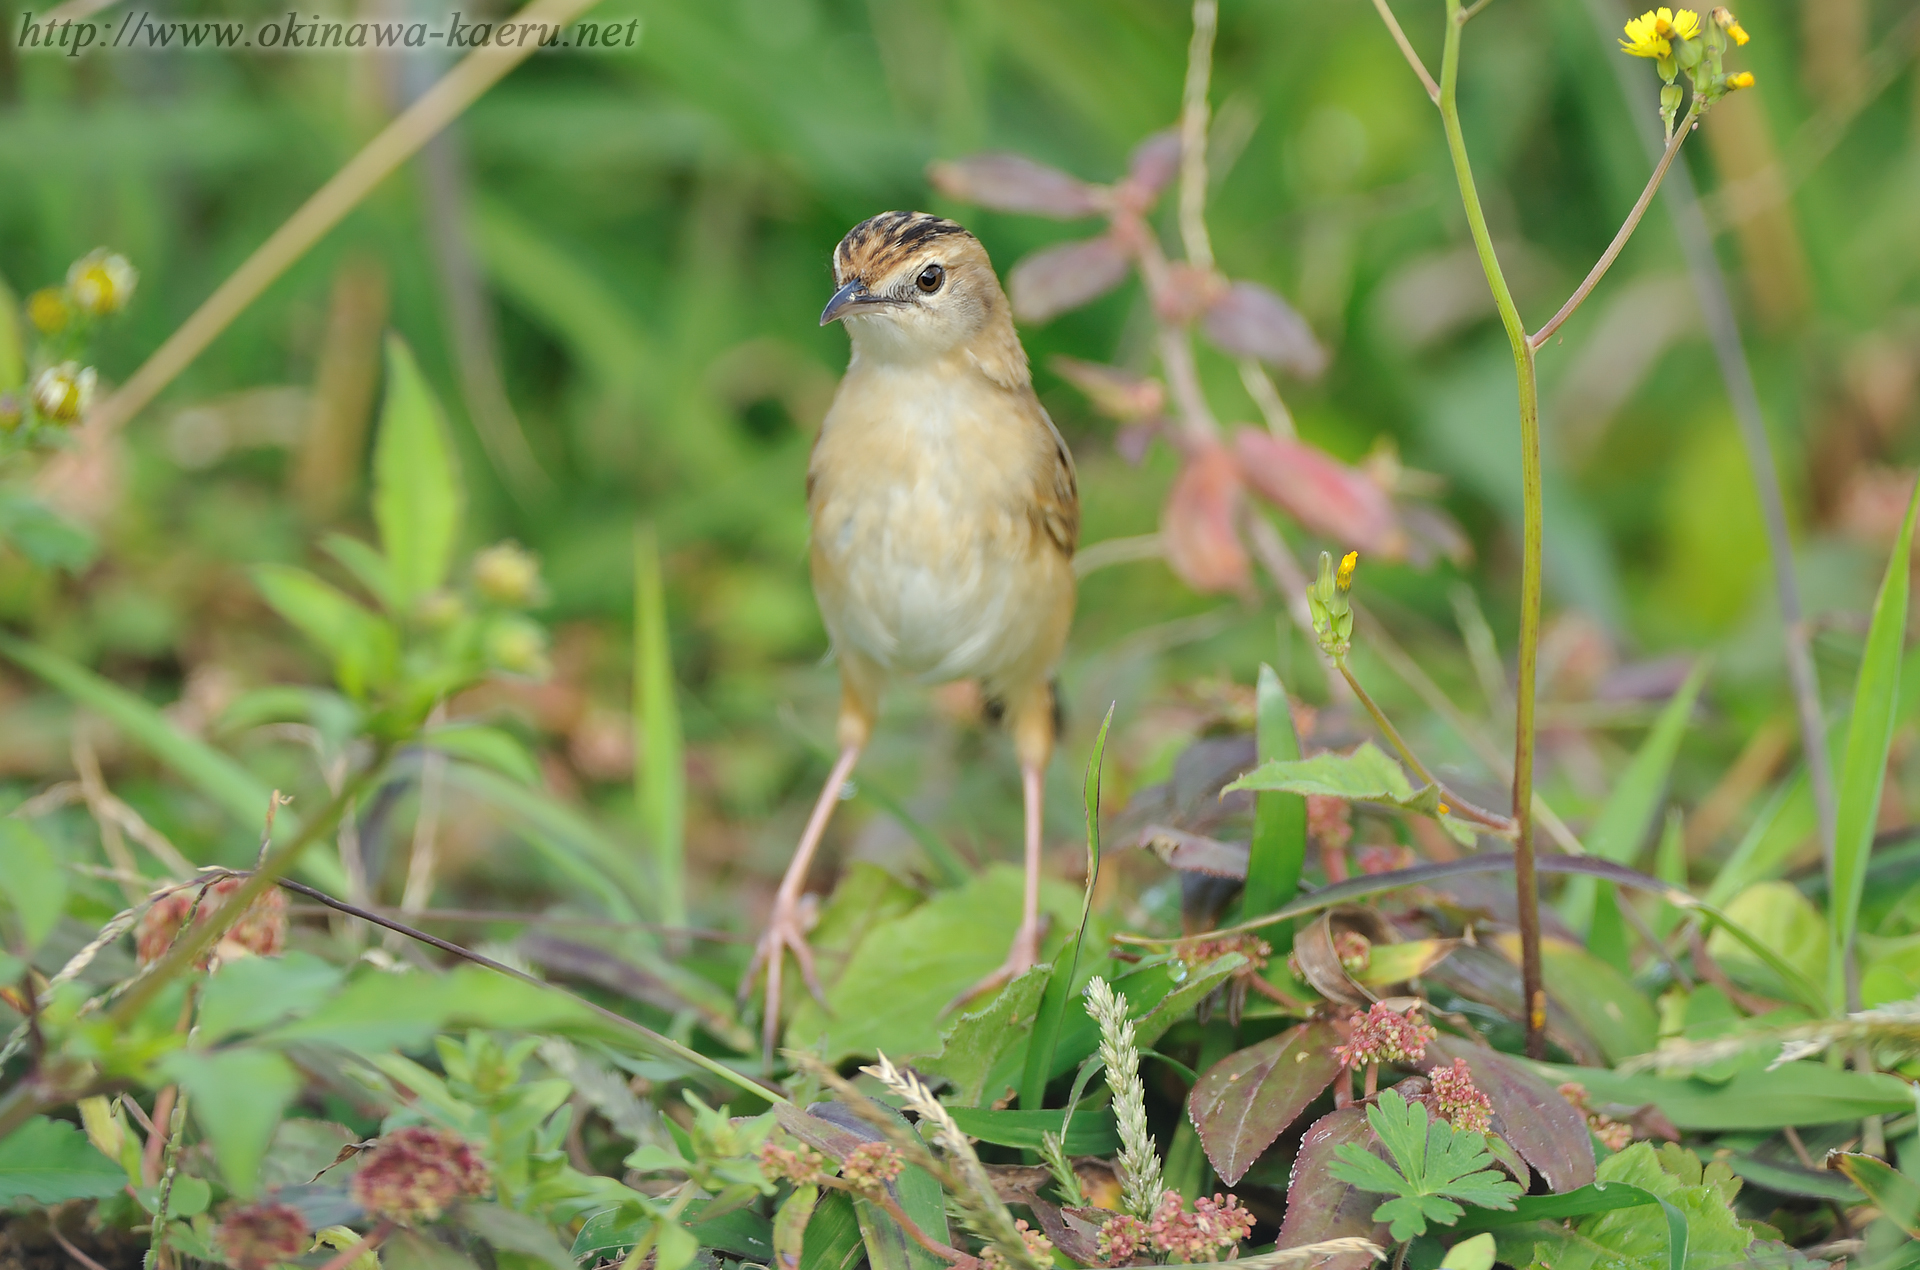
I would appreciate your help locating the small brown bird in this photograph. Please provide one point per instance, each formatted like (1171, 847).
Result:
(944, 518)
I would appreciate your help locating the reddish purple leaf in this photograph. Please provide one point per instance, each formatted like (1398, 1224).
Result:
(1247, 1099)
(1197, 524)
(1055, 279)
(1248, 320)
(1118, 394)
(1319, 1205)
(1015, 183)
(1325, 495)
(1152, 167)
(1528, 1111)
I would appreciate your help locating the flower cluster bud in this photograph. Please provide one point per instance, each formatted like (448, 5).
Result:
(1384, 1035)
(416, 1173)
(799, 1164)
(508, 574)
(1676, 41)
(258, 1236)
(1122, 1239)
(516, 645)
(870, 1166)
(261, 930)
(1332, 611)
(1213, 1226)
(1036, 1241)
(1458, 1100)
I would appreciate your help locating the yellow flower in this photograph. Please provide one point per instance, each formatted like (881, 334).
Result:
(1743, 79)
(49, 311)
(1650, 34)
(1724, 18)
(101, 282)
(1344, 580)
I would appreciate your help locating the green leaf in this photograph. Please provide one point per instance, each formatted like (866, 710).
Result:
(1434, 1164)
(1802, 1093)
(485, 747)
(832, 1240)
(31, 881)
(1896, 1195)
(1863, 770)
(660, 781)
(1601, 999)
(416, 497)
(516, 1232)
(1053, 1005)
(790, 1224)
(1093, 1131)
(1407, 1215)
(601, 866)
(368, 567)
(13, 351)
(978, 1042)
(238, 1097)
(1784, 824)
(921, 1198)
(1626, 819)
(364, 648)
(1470, 1254)
(43, 535)
(49, 1161)
(1367, 775)
(1782, 919)
(217, 777)
(189, 1197)
(1279, 845)
(252, 993)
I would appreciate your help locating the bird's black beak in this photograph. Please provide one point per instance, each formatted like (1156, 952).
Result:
(855, 292)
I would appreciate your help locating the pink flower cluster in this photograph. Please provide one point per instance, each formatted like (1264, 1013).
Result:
(1214, 1226)
(417, 1173)
(256, 1236)
(1037, 1243)
(261, 929)
(869, 1167)
(1382, 1035)
(801, 1164)
(1329, 821)
(1459, 1100)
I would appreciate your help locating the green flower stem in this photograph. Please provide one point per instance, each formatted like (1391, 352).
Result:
(1627, 227)
(1526, 882)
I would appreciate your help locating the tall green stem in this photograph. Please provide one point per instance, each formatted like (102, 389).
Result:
(1526, 882)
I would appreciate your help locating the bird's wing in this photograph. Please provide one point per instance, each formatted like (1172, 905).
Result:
(1056, 501)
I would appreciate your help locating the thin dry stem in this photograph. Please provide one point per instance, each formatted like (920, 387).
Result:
(1194, 114)
(1266, 396)
(1406, 50)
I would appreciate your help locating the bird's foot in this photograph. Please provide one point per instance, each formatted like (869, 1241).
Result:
(786, 931)
(1021, 958)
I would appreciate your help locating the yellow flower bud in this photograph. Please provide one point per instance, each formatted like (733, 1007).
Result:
(1741, 79)
(1724, 19)
(62, 393)
(101, 282)
(507, 574)
(1348, 562)
(49, 311)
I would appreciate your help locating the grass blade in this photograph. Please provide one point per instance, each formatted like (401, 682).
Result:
(1053, 1005)
(1876, 696)
(660, 773)
(1279, 819)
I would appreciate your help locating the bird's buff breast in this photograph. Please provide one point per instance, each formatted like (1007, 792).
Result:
(925, 557)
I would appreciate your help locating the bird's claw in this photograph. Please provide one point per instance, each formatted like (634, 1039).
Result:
(786, 931)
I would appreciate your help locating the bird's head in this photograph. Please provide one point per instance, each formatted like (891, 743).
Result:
(911, 286)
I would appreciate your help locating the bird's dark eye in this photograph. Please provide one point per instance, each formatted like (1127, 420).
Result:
(930, 279)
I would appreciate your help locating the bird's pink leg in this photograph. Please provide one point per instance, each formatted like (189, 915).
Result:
(1025, 951)
(784, 930)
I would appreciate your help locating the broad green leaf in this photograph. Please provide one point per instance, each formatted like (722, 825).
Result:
(364, 648)
(485, 747)
(238, 1097)
(1241, 1104)
(660, 781)
(1367, 775)
(832, 1240)
(414, 1250)
(1060, 978)
(31, 881)
(979, 1041)
(903, 971)
(1802, 1093)
(1785, 824)
(1158, 995)
(1279, 844)
(921, 1198)
(1626, 819)
(416, 496)
(49, 1161)
(1791, 1179)
(790, 1224)
(368, 567)
(1092, 1132)
(1863, 770)
(516, 1232)
(1470, 1254)
(251, 993)
(237, 791)
(189, 1197)
(1785, 920)
(1895, 1194)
